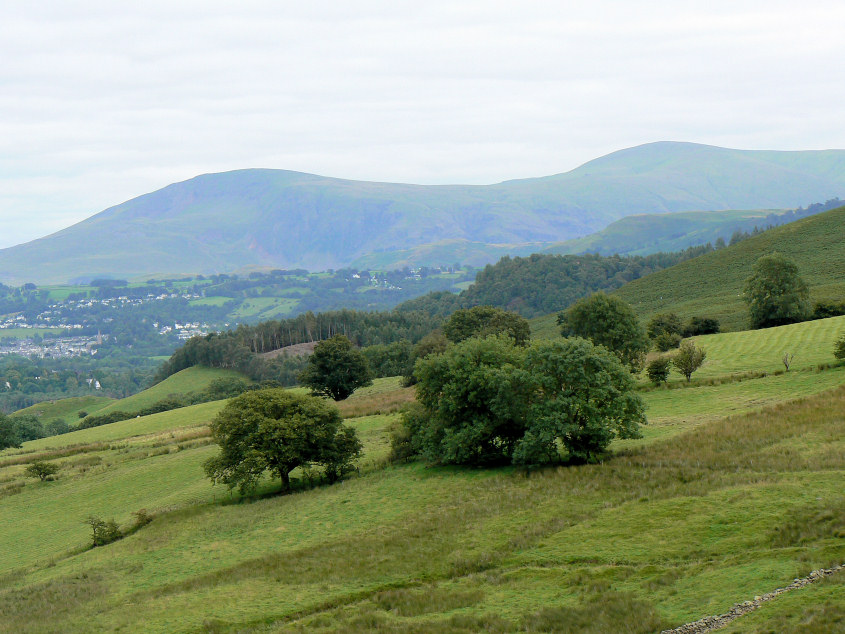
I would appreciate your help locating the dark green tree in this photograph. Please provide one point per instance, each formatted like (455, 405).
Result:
(487, 401)
(336, 369)
(610, 322)
(484, 321)
(8, 433)
(274, 430)
(658, 370)
(664, 323)
(473, 402)
(583, 398)
(775, 293)
(839, 348)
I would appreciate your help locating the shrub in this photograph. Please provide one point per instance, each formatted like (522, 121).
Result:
(701, 326)
(839, 348)
(41, 470)
(103, 532)
(668, 323)
(823, 310)
(658, 370)
(667, 341)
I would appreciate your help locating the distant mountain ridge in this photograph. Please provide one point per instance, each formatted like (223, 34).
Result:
(259, 218)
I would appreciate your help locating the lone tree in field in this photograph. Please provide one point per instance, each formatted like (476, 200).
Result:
(658, 370)
(336, 369)
(607, 321)
(41, 470)
(485, 321)
(278, 431)
(688, 358)
(775, 293)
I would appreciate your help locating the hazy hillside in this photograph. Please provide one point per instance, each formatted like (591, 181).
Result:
(274, 218)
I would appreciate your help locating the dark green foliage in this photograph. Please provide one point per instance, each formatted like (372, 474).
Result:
(103, 532)
(658, 370)
(278, 431)
(668, 323)
(473, 402)
(433, 343)
(607, 321)
(839, 348)
(240, 348)
(541, 284)
(8, 433)
(701, 326)
(336, 369)
(390, 359)
(583, 398)
(775, 293)
(41, 470)
(667, 341)
(487, 401)
(225, 387)
(688, 358)
(56, 427)
(823, 310)
(484, 321)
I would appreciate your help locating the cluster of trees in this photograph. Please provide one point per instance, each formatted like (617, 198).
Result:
(666, 330)
(488, 401)
(541, 284)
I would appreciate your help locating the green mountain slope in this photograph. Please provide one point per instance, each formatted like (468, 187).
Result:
(273, 218)
(712, 284)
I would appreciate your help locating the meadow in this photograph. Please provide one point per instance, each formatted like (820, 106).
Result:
(734, 490)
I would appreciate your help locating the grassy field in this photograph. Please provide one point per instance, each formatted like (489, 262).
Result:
(735, 489)
(263, 308)
(67, 408)
(186, 381)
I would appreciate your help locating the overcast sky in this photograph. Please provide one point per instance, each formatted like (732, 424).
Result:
(103, 101)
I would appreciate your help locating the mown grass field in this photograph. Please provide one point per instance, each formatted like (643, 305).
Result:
(735, 489)
(186, 381)
(27, 333)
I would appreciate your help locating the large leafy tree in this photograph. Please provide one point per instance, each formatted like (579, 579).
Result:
(473, 402)
(583, 398)
(610, 322)
(487, 401)
(274, 430)
(775, 292)
(484, 321)
(9, 436)
(336, 369)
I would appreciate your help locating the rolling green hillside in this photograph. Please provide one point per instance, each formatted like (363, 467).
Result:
(734, 490)
(712, 284)
(273, 218)
(187, 381)
(67, 408)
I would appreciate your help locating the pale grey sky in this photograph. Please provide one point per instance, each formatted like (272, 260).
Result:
(103, 101)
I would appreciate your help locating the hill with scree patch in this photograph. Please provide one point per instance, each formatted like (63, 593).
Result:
(252, 219)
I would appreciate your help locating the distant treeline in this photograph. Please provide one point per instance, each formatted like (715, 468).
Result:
(240, 349)
(542, 284)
